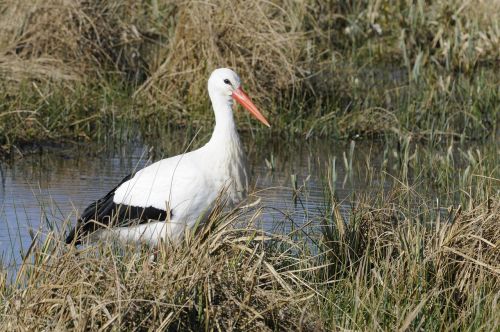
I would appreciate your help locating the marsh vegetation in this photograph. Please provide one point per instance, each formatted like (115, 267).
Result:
(418, 251)
(85, 69)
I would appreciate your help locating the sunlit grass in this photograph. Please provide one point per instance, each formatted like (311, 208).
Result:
(421, 254)
(419, 249)
(223, 277)
(95, 69)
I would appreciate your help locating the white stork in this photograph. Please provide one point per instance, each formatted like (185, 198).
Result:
(162, 200)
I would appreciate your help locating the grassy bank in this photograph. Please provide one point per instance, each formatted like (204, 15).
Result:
(83, 69)
(382, 272)
(420, 255)
(410, 268)
(223, 278)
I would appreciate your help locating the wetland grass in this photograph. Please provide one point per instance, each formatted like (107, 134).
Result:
(423, 255)
(408, 258)
(223, 278)
(396, 267)
(422, 76)
(80, 70)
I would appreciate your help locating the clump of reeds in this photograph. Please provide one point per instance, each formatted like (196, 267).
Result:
(59, 64)
(221, 279)
(265, 41)
(55, 40)
(405, 265)
(174, 45)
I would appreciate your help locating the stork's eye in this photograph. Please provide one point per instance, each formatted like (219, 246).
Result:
(226, 81)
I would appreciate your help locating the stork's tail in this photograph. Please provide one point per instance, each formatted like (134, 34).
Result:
(73, 237)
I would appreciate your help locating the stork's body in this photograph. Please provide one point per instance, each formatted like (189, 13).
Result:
(163, 199)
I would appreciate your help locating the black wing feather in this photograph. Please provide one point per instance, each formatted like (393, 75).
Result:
(106, 213)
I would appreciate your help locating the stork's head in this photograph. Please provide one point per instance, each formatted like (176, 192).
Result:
(226, 83)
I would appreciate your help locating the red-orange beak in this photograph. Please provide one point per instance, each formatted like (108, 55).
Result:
(241, 97)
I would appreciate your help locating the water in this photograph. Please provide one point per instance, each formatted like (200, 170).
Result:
(44, 190)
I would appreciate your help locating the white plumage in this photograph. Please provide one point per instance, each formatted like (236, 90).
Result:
(177, 191)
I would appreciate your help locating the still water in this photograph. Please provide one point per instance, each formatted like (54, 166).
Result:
(46, 189)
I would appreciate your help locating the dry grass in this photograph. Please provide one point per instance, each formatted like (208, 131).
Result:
(401, 261)
(84, 40)
(265, 41)
(392, 265)
(176, 47)
(222, 279)
(307, 62)
(404, 266)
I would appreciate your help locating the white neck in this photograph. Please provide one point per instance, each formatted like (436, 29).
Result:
(225, 150)
(225, 129)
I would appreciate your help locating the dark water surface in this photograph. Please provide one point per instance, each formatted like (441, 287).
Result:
(47, 189)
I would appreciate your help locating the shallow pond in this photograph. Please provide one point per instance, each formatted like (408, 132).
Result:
(46, 189)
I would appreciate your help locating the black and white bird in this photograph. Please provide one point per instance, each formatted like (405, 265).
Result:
(162, 200)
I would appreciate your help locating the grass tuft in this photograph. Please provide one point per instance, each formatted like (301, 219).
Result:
(224, 278)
